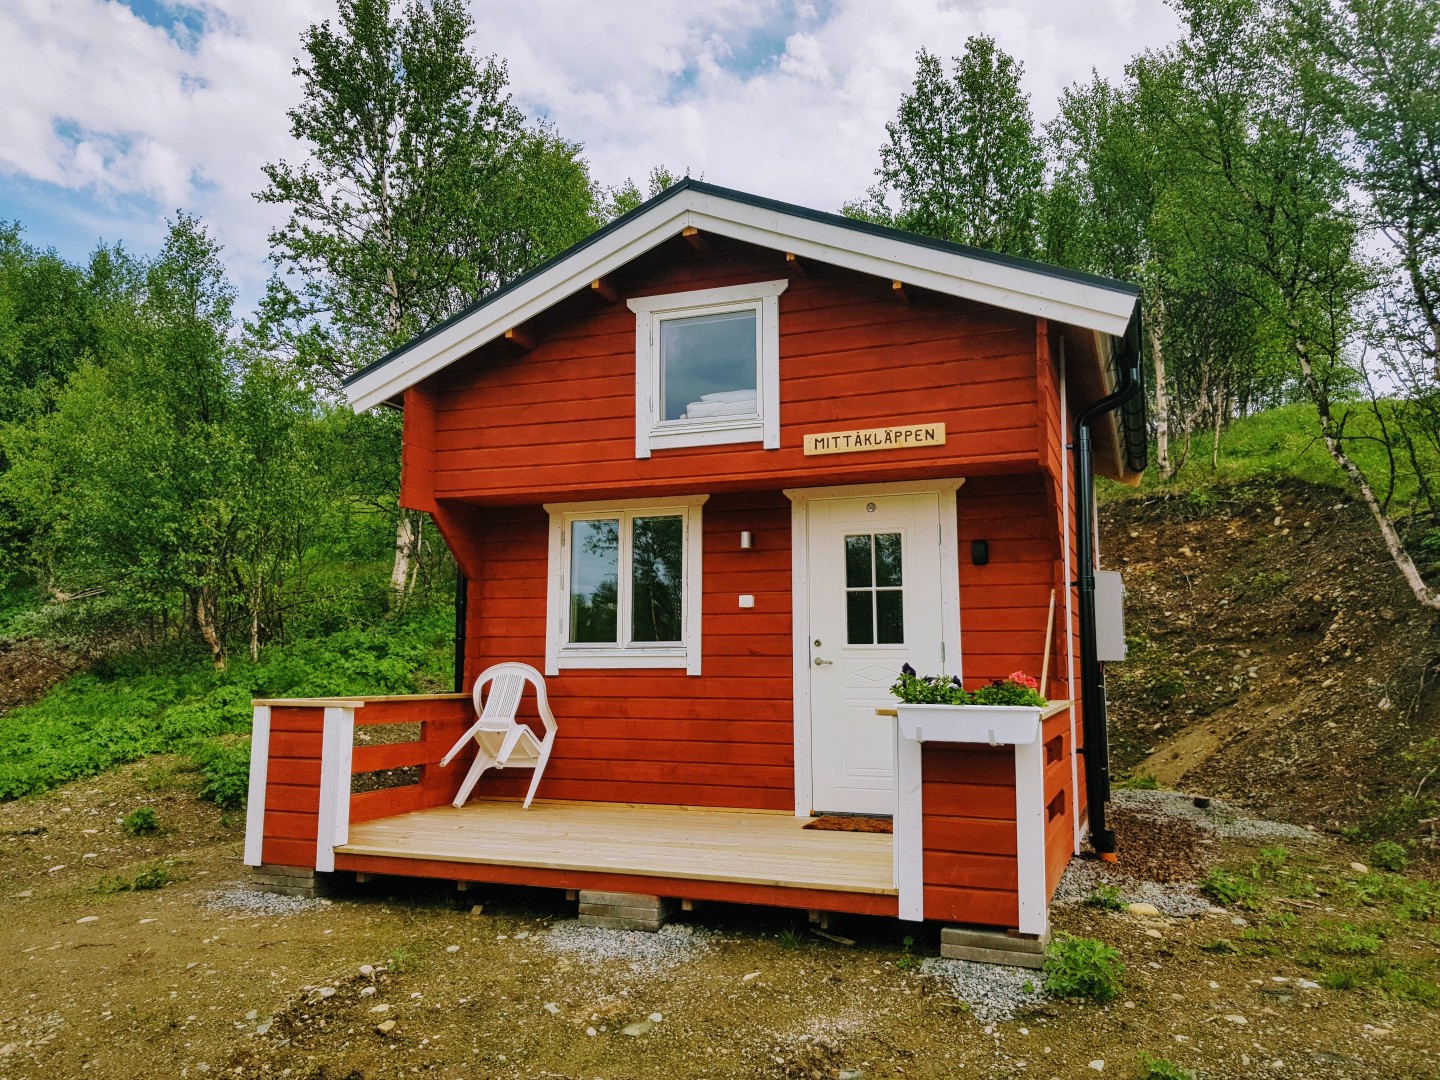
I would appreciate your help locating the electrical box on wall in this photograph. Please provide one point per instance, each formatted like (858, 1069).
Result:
(1109, 615)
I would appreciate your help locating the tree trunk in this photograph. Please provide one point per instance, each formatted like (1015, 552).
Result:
(1216, 415)
(1427, 596)
(1162, 397)
(404, 540)
(205, 619)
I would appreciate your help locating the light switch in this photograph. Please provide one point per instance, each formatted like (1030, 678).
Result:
(747, 601)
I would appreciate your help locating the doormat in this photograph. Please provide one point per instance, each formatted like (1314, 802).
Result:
(843, 823)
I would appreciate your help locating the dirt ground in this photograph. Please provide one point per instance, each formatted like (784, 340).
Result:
(199, 978)
(1276, 656)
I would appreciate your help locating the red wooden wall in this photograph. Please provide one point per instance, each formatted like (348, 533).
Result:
(722, 738)
(558, 421)
(292, 786)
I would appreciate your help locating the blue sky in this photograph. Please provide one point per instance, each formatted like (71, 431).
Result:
(120, 112)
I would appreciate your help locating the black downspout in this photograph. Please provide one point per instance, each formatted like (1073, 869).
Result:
(1092, 675)
(461, 597)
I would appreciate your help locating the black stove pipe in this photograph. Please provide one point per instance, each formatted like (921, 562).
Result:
(1092, 675)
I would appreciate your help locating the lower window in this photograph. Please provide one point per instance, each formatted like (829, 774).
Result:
(624, 585)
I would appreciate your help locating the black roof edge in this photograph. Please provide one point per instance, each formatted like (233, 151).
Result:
(760, 202)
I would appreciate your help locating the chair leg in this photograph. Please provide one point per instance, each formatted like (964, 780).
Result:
(482, 762)
(535, 780)
(460, 742)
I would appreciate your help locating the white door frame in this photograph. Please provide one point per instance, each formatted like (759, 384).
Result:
(949, 539)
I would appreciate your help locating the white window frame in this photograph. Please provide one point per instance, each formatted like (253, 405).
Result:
(561, 653)
(652, 431)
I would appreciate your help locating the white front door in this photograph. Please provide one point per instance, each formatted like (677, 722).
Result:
(874, 602)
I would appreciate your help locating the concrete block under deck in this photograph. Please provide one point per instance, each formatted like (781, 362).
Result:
(624, 911)
(982, 945)
(290, 881)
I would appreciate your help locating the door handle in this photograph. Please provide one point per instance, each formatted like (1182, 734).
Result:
(823, 663)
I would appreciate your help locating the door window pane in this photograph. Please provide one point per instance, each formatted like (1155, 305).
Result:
(656, 579)
(860, 617)
(858, 572)
(594, 580)
(708, 367)
(890, 616)
(887, 559)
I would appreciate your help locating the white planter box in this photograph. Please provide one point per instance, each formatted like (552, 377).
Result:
(994, 725)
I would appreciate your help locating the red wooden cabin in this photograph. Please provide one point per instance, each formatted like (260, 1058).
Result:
(718, 471)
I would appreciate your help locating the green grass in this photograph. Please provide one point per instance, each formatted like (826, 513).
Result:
(123, 712)
(1275, 444)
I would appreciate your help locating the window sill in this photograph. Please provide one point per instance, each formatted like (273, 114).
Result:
(630, 658)
(715, 434)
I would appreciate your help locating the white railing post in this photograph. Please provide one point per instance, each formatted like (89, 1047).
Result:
(337, 745)
(255, 801)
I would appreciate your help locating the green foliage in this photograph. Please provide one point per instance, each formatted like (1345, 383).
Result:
(1153, 1068)
(1138, 782)
(225, 765)
(1228, 889)
(141, 822)
(791, 937)
(1388, 855)
(94, 721)
(962, 155)
(1083, 968)
(419, 187)
(908, 960)
(914, 689)
(1346, 940)
(1106, 898)
(155, 876)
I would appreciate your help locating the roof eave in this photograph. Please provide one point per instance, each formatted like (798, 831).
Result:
(1090, 304)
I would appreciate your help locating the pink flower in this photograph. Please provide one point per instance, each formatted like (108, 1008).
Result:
(1024, 680)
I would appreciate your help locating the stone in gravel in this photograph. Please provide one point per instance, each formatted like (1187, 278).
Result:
(1236, 1018)
(1359, 868)
(591, 1032)
(252, 1015)
(664, 951)
(326, 991)
(552, 1008)
(8, 1049)
(640, 1027)
(144, 921)
(477, 909)
(655, 1018)
(1153, 933)
(1098, 1064)
(366, 970)
(1142, 908)
(263, 1028)
(1239, 920)
(88, 919)
(385, 1027)
(381, 1008)
(452, 948)
(851, 1074)
(366, 991)
(26, 895)
(749, 976)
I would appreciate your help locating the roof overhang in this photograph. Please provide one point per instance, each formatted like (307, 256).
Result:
(1079, 300)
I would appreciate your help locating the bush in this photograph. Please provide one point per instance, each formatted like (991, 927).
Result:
(155, 876)
(1388, 855)
(1227, 889)
(1106, 898)
(1080, 967)
(226, 768)
(141, 822)
(1152, 1068)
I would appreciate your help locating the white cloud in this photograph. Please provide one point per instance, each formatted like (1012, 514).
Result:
(786, 100)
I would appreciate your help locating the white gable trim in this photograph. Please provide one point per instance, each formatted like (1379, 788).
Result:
(1015, 288)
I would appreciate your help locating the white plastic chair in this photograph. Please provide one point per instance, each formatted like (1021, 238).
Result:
(500, 738)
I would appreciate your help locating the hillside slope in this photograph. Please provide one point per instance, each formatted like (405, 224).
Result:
(1276, 656)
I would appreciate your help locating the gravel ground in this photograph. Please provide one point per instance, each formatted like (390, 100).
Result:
(645, 953)
(243, 901)
(1083, 876)
(994, 993)
(1219, 819)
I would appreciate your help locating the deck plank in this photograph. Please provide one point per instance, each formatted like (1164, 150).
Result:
(648, 841)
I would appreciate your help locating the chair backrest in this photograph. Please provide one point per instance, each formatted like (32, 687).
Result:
(507, 686)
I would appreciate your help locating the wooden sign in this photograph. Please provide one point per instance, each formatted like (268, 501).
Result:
(884, 438)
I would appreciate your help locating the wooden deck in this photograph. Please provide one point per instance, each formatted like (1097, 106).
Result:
(730, 846)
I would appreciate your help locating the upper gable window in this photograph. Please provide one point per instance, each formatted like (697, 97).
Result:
(707, 367)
